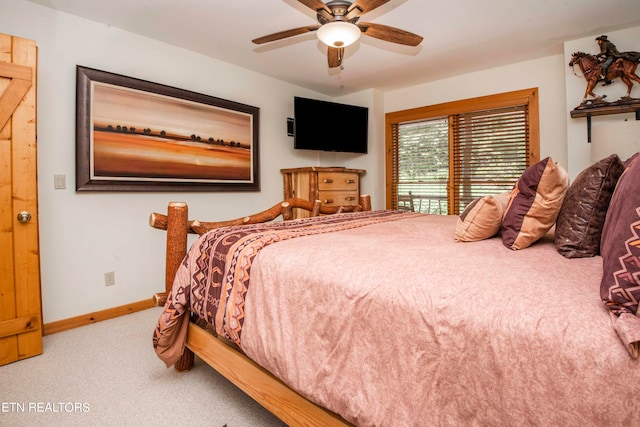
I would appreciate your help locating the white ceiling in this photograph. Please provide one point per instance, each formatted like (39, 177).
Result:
(460, 36)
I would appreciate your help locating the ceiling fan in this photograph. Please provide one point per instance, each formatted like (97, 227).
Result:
(338, 27)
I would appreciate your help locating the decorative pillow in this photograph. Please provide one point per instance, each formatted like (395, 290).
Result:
(581, 218)
(620, 249)
(481, 218)
(534, 204)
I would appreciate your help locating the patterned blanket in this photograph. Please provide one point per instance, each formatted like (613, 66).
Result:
(213, 280)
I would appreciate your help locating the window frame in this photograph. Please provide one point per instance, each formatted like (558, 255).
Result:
(528, 97)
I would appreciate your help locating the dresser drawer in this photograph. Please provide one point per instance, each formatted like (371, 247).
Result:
(338, 181)
(333, 186)
(338, 198)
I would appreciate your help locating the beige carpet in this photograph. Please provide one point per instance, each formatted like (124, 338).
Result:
(107, 374)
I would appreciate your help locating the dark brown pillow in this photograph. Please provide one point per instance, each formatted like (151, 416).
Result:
(581, 218)
(620, 249)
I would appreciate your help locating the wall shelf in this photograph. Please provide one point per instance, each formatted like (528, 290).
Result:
(603, 108)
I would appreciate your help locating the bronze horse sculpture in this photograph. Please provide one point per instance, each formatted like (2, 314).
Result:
(592, 71)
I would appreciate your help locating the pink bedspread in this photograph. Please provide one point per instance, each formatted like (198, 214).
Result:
(397, 324)
(213, 280)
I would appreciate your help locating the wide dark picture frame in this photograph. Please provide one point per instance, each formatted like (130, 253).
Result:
(147, 157)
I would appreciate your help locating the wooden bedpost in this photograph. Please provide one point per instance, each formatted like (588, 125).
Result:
(177, 225)
(365, 202)
(286, 211)
(177, 230)
(315, 211)
(186, 361)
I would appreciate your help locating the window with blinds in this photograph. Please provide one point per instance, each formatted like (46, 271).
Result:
(490, 152)
(422, 164)
(443, 157)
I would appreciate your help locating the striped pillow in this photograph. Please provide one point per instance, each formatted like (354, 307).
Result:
(534, 204)
(482, 218)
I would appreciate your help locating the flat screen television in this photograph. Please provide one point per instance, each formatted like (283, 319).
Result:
(329, 126)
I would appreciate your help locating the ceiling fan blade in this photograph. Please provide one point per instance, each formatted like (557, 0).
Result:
(390, 34)
(334, 56)
(315, 5)
(284, 34)
(367, 5)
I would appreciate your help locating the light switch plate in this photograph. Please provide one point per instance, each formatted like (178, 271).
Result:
(59, 182)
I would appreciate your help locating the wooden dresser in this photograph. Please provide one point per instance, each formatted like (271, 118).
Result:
(333, 186)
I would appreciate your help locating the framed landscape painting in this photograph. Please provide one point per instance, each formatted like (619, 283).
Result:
(135, 135)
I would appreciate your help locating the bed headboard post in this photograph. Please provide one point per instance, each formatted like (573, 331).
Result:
(365, 202)
(315, 211)
(177, 230)
(286, 211)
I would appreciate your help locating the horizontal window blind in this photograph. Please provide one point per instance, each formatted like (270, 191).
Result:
(490, 152)
(423, 163)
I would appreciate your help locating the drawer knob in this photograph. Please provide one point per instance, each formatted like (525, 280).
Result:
(327, 180)
(351, 181)
(327, 201)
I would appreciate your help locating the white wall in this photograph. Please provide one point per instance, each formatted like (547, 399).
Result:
(617, 124)
(84, 235)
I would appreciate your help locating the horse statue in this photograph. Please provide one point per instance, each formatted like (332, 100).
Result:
(591, 68)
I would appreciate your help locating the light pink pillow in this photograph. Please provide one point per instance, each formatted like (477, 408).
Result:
(535, 202)
(481, 218)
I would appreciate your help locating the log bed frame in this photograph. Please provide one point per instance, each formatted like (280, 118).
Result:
(262, 386)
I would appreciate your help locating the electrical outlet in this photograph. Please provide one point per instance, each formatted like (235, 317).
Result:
(109, 278)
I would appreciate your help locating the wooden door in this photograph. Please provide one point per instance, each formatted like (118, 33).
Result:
(20, 304)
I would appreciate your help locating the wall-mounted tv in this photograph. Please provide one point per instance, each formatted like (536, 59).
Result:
(329, 126)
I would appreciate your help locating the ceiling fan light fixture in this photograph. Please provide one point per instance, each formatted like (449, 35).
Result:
(338, 33)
